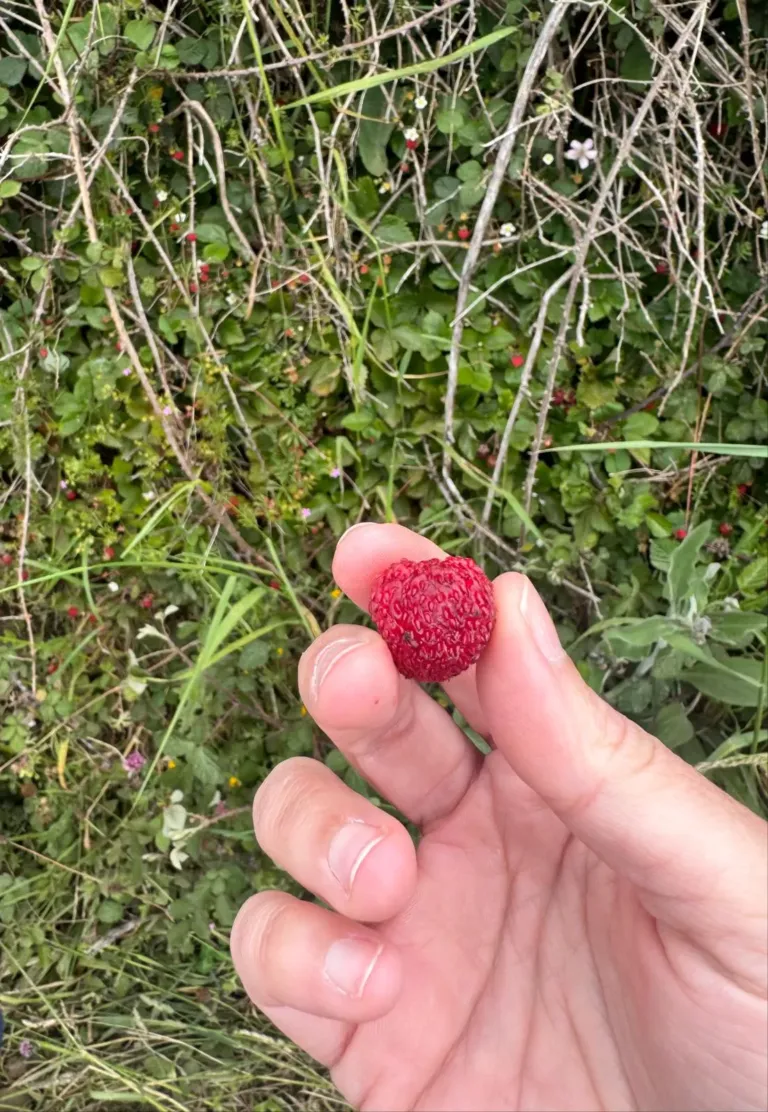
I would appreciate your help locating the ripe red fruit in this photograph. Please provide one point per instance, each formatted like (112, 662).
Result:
(662, 268)
(71, 495)
(364, 268)
(463, 232)
(174, 227)
(204, 276)
(436, 616)
(147, 602)
(178, 155)
(742, 489)
(92, 619)
(275, 584)
(24, 576)
(191, 237)
(193, 287)
(109, 552)
(43, 352)
(517, 360)
(6, 559)
(404, 168)
(153, 129)
(725, 529)
(73, 612)
(52, 667)
(411, 144)
(717, 129)
(304, 278)
(681, 534)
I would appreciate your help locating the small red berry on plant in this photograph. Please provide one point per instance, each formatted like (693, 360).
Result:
(174, 227)
(191, 237)
(364, 268)
(725, 529)
(436, 616)
(153, 129)
(742, 489)
(109, 552)
(204, 276)
(73, 612)
(681, 534)
(463, 232)
(411, 144)
(6, 559)
(193, 287)
(24, 576)
(52, 667)
(304, 278)
(92, 619)
(517, 360)
(662, 268)
(146, 602)
(275, 584)
(43, 352)
(71, 495)
(178, 155)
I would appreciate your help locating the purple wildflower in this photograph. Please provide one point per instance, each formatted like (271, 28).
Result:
(134, 762)
(25, 1048)
(306, 512)
(126, 370)
(63, 484)
(167, 411)
(335, 473)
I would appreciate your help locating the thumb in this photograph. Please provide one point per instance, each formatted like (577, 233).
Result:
(698, 857)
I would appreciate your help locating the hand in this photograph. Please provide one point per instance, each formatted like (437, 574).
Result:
(583, 924)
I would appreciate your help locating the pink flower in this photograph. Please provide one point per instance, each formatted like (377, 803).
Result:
(335, 473)
(134, 762)
(63, 484)
(167, 411)
(126, 370)
(306, 512)
(25, 1048)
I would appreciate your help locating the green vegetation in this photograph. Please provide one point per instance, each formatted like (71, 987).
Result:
(496, 271)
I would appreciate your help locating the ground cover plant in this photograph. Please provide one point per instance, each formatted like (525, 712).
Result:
(497, 271)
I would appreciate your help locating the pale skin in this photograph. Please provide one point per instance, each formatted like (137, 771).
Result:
(582, 926)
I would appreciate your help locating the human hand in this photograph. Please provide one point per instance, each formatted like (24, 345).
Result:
(583, 924)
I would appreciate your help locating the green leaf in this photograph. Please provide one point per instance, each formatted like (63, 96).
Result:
(9, 188)
(640, 426)
(737, 627)
(683, 561)
(111, 277)
(110, 911)
(211, 233)
(191, 51)
(636, 65)
(358, 421)
(740, 687)
(375, 131)
(672, 726)
(12, 70)
(140, 32)
(393, 229)
(230, 333)
(204, 766)
(754, 576)
(449, 120)
(476, 375)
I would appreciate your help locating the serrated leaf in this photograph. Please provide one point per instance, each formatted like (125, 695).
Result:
(393, 229)
(211, 233)
(191, 51)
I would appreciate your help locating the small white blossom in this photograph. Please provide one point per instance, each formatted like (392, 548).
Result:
(149, 631)
(730, 604)
(763, 233)
(149, 495)
(410, 135)
(507, 230)
(547, 159)
(420, 103)
(583, 153)
(162, 195)
(179, 217)
(232, 299)
(113, 587)
(385, 187)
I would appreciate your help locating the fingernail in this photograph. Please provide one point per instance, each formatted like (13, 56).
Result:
(540, 625)
(349, 848)
(328, 658)
(350, 962)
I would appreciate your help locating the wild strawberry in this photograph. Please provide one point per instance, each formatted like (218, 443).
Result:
(52, 667)
(463, 232)
(24, 576)
(436, 616)
(304, 279)
(725, 529)
(742, 489)
(92, 619)
(43, 352)
(147, 602)
(517, 360)
(364, 268)
(225, 274)
(204, 276)
(73, 612)
(190, 237)
(6, 559)
(109, 552)
(153, 129)
(662, 268)
(173, 227)
(71, 495)
(411, 144)
(177, 155)
(717, 129)
(193, 287)
(404, 168)
(118, 345)
(681, 534)
(275, 584)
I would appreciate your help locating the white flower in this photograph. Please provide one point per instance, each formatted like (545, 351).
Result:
(161, 195)
(385, 187)
(507, 230)
(149, 631)
(179, 217)
(232, 299)
(547, 159)
(420, 103)
(763, 233)
(583, 153)
(113, 587)
(410, 135)
(149, 495)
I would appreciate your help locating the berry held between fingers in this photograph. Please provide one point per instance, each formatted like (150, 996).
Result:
(436, 616)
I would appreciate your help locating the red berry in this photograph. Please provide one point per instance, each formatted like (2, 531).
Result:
(147, 602)
(73, 612)
(275, 584)
(109, 552)
(52, 667)
(517, 360)
(71, 495)
(156, 203)
(717, 129)
(24, 576)
(191, 237)
(463, 232)
(436, 616)
(174, 227)
(193, 287)
(118, 345)
(364, 268)
(204, 276)
(304, 278)
(225, 274)
(6, 559)
(153, 129)
(725, 529)
(92, 619)
(742, 489)
(662, 268)
(404, 168)
(681, 534)
(43, 352)
(411, 144)
(178, 155)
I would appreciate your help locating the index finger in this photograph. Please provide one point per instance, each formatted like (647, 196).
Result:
(363, 552)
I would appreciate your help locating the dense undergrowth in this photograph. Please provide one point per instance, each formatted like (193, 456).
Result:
(266, 271)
